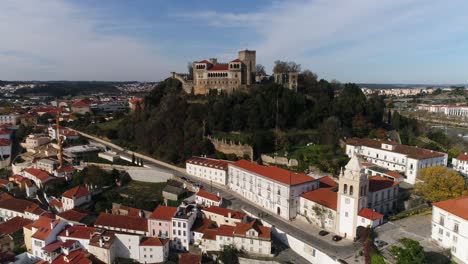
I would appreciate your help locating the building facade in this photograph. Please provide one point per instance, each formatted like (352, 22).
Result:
(277, 190)
(450, 226)
(208, 169)
(460, 163)
(396, 157)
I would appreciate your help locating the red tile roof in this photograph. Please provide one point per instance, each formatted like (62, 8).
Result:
(5, 196)
(43, 226)
(393, 174)
(274, 173)
(72, 215)
(322, 196)
(76, 192)
(328, 182)
(153, 242)
(201, 224)
(457, 206)
(369, 214)
(212, 163)
(378, 183)
(122, 221)
(135, 100)
(80, 103)
(189, 258)
(226, 230)
(210, 234)
(78, 232)
(74, 257)
(4, 142)
(41, 175)
(236, 60)
(55, 203)
(462, 156)
(3, 182)
(410, 151)
(204, 61)
(208, 195)
(225, 212)
(35, 209)
(241, 229)
(52, 246)
(13, 225)
(163, 213)
(68, 168)
(17, 205)
(219, 67)
(5, 132)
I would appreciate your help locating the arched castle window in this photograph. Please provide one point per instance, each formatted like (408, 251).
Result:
(350, 190)
(345, 189)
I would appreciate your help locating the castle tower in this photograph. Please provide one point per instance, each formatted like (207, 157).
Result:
(248, 57)
(352, 197)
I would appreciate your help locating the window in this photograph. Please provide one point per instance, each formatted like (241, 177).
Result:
(455, 228)
(441, 232)
(345, 189)
(455, 239)
(313, 252)
(178, 224)
(441, 220)
(346, 214)
(251, 241)
(351, 190)
(184, 225)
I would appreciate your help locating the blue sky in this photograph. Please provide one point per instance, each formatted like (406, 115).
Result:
(397, 41)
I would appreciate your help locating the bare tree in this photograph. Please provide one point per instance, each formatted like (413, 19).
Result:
(190, 70)
(260, 69)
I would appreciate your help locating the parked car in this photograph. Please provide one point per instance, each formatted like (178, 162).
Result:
(323, 233)
(380, 243)
(336, 238)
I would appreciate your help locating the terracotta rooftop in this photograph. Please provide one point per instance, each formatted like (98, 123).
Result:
(13, 225)
(274, 173)
(219, 67)
(77, 232)
(17, 205)
(55, 203)
(43, 227)
(225, 212)
(201, 224)
(456, 206)
(4, 142)
(122, 221)
(41, 175)
(74, 257)
(163, 213)
(322, 196)
(377, 183)
(242, 228)
(212, 163)
(210, 234)
(410, 151)
(80, 103)
(236, 60)
(369, 214)
(226, 230)
(208, 195)
(76, 192)
(462, 156)
(153, 242)
(327, 182)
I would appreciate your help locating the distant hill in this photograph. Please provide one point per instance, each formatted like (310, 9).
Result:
(413, 85)
(64, 88)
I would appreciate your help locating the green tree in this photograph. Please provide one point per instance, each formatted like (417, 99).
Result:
(440, 183)
(229, 255)
(410, 252)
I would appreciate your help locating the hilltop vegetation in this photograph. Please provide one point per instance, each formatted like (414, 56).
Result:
(172, 125)
(60, 89)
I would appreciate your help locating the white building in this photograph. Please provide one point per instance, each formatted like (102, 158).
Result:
(35, 140)
(448, 110)
(44, 232)
(205, 198)
(75, 197)
(450, 226)
(160, 221)
(460, 163)
(208, 169)
(81, 234)
(12, 118)
(122, 223)
(48, 165)
(396, 157)
(182, 223)
(12, 207)
(224, 216)
(275, 189)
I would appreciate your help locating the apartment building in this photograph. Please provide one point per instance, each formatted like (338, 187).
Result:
(275, 189)
(450, 226)
(208, 169)
(408, 160)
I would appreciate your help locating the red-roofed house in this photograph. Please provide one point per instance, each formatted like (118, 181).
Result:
(207, 199)
(153, 250)
(81, 234)
(12, 207)
(123, 223)
(322, 200)
(396, 157)
(74, 257)
(189, 258)
(253, 237)
(75, 197)
(159, 222)
(81, 107)
(44, 232)
(450, 226)
(383, 194)
(460, 163)
(208, 169)
(132, 103)
(275, 189)
(370, 218)
(39, 177)
(224, 216)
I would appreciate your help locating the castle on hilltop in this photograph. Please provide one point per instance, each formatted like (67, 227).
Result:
(212, 75)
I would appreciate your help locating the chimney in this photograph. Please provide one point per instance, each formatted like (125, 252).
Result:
(100, 242)
(229, 214)
(67, 233)
(217, 194)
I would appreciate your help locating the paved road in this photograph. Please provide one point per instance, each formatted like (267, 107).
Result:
(307, 233)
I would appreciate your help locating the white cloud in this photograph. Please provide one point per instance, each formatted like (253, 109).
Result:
(55, 40)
